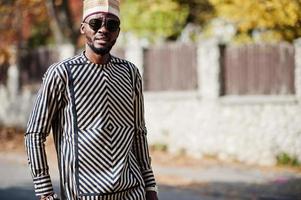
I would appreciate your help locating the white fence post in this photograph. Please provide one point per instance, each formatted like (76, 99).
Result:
(13, 75)
(134, 52)
(297, 45)
(208, 68)
(66, 51)
(13, 81)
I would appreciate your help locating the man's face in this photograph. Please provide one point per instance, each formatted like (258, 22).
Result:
(100, 31)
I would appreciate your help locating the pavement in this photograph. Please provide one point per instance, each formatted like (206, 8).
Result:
(204, 180)
(233, 181)
(16, 184)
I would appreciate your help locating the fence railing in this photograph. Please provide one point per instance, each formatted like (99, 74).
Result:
(170, 67)
(3, 73)
(34, 63)
(265, 69)
(258, 69)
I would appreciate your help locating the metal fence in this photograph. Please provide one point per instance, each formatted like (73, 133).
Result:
(245, 70)
(258, 69)
(34, 63)
(170, 67)
(3, 73)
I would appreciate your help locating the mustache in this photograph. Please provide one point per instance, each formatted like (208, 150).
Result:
(100, 36)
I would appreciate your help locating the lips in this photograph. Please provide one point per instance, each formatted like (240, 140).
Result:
(102, 37)
(102, 40)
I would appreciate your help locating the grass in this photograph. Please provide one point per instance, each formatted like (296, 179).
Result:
(285, 159)
(159, 147)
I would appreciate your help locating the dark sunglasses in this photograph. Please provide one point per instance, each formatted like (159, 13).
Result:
(111, 25)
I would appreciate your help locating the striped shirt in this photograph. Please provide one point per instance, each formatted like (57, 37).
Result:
(96, 115)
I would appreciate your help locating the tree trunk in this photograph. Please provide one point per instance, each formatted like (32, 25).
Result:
(54, 23)
(69, 21)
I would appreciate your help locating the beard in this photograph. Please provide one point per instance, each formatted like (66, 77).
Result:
(102, 50)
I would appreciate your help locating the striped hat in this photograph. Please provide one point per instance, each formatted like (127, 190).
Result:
(97, 6)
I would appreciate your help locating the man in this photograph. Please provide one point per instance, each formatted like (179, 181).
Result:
(94, 104)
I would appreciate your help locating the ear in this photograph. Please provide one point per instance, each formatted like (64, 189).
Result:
(118, 32)
(82, 28)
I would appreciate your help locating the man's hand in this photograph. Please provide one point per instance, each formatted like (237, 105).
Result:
(151, 195)
(51, 196)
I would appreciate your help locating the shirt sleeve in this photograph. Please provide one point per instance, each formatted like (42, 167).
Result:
(38, 129)
(140, 144)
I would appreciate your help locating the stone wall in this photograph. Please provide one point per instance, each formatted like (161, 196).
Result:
(253, 130)
(15, 102)
(15, 109)
(250, 129)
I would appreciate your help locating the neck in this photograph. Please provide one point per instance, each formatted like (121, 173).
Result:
(96, 58)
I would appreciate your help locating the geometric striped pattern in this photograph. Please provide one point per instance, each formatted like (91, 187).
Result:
(97, 117)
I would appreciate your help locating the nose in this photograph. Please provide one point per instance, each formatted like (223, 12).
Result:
(102, 28)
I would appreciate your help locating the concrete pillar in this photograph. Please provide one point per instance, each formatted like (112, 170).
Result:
(65, 51)
(13, 75)
(208, 69)
(134, 52)
(297, 45)
(13, 81)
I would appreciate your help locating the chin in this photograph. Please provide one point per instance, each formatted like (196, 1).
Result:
(100, 50)
(100, 45)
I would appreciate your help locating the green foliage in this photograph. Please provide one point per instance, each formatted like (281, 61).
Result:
(40, 35)
(159, 147)
(200, 11)
(269, 20)
(286, 159)
(153, 18)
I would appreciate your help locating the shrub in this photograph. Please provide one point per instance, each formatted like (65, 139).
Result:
(286, 159)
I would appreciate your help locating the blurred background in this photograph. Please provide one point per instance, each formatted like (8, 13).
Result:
(222, 82)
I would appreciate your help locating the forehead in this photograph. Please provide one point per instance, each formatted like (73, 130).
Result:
(102, 15)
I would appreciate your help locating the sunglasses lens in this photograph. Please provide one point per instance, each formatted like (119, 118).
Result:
(95, 24)
(112, 25)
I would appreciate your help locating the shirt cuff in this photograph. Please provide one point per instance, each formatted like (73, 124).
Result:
(148, 177)
(42, 185)
(154, 188)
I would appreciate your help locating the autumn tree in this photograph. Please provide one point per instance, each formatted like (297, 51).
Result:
(38, 22)
(200, 11)
(153, 19)
(16, 29)
(65, 18)
(269, 20)
(17, 19)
